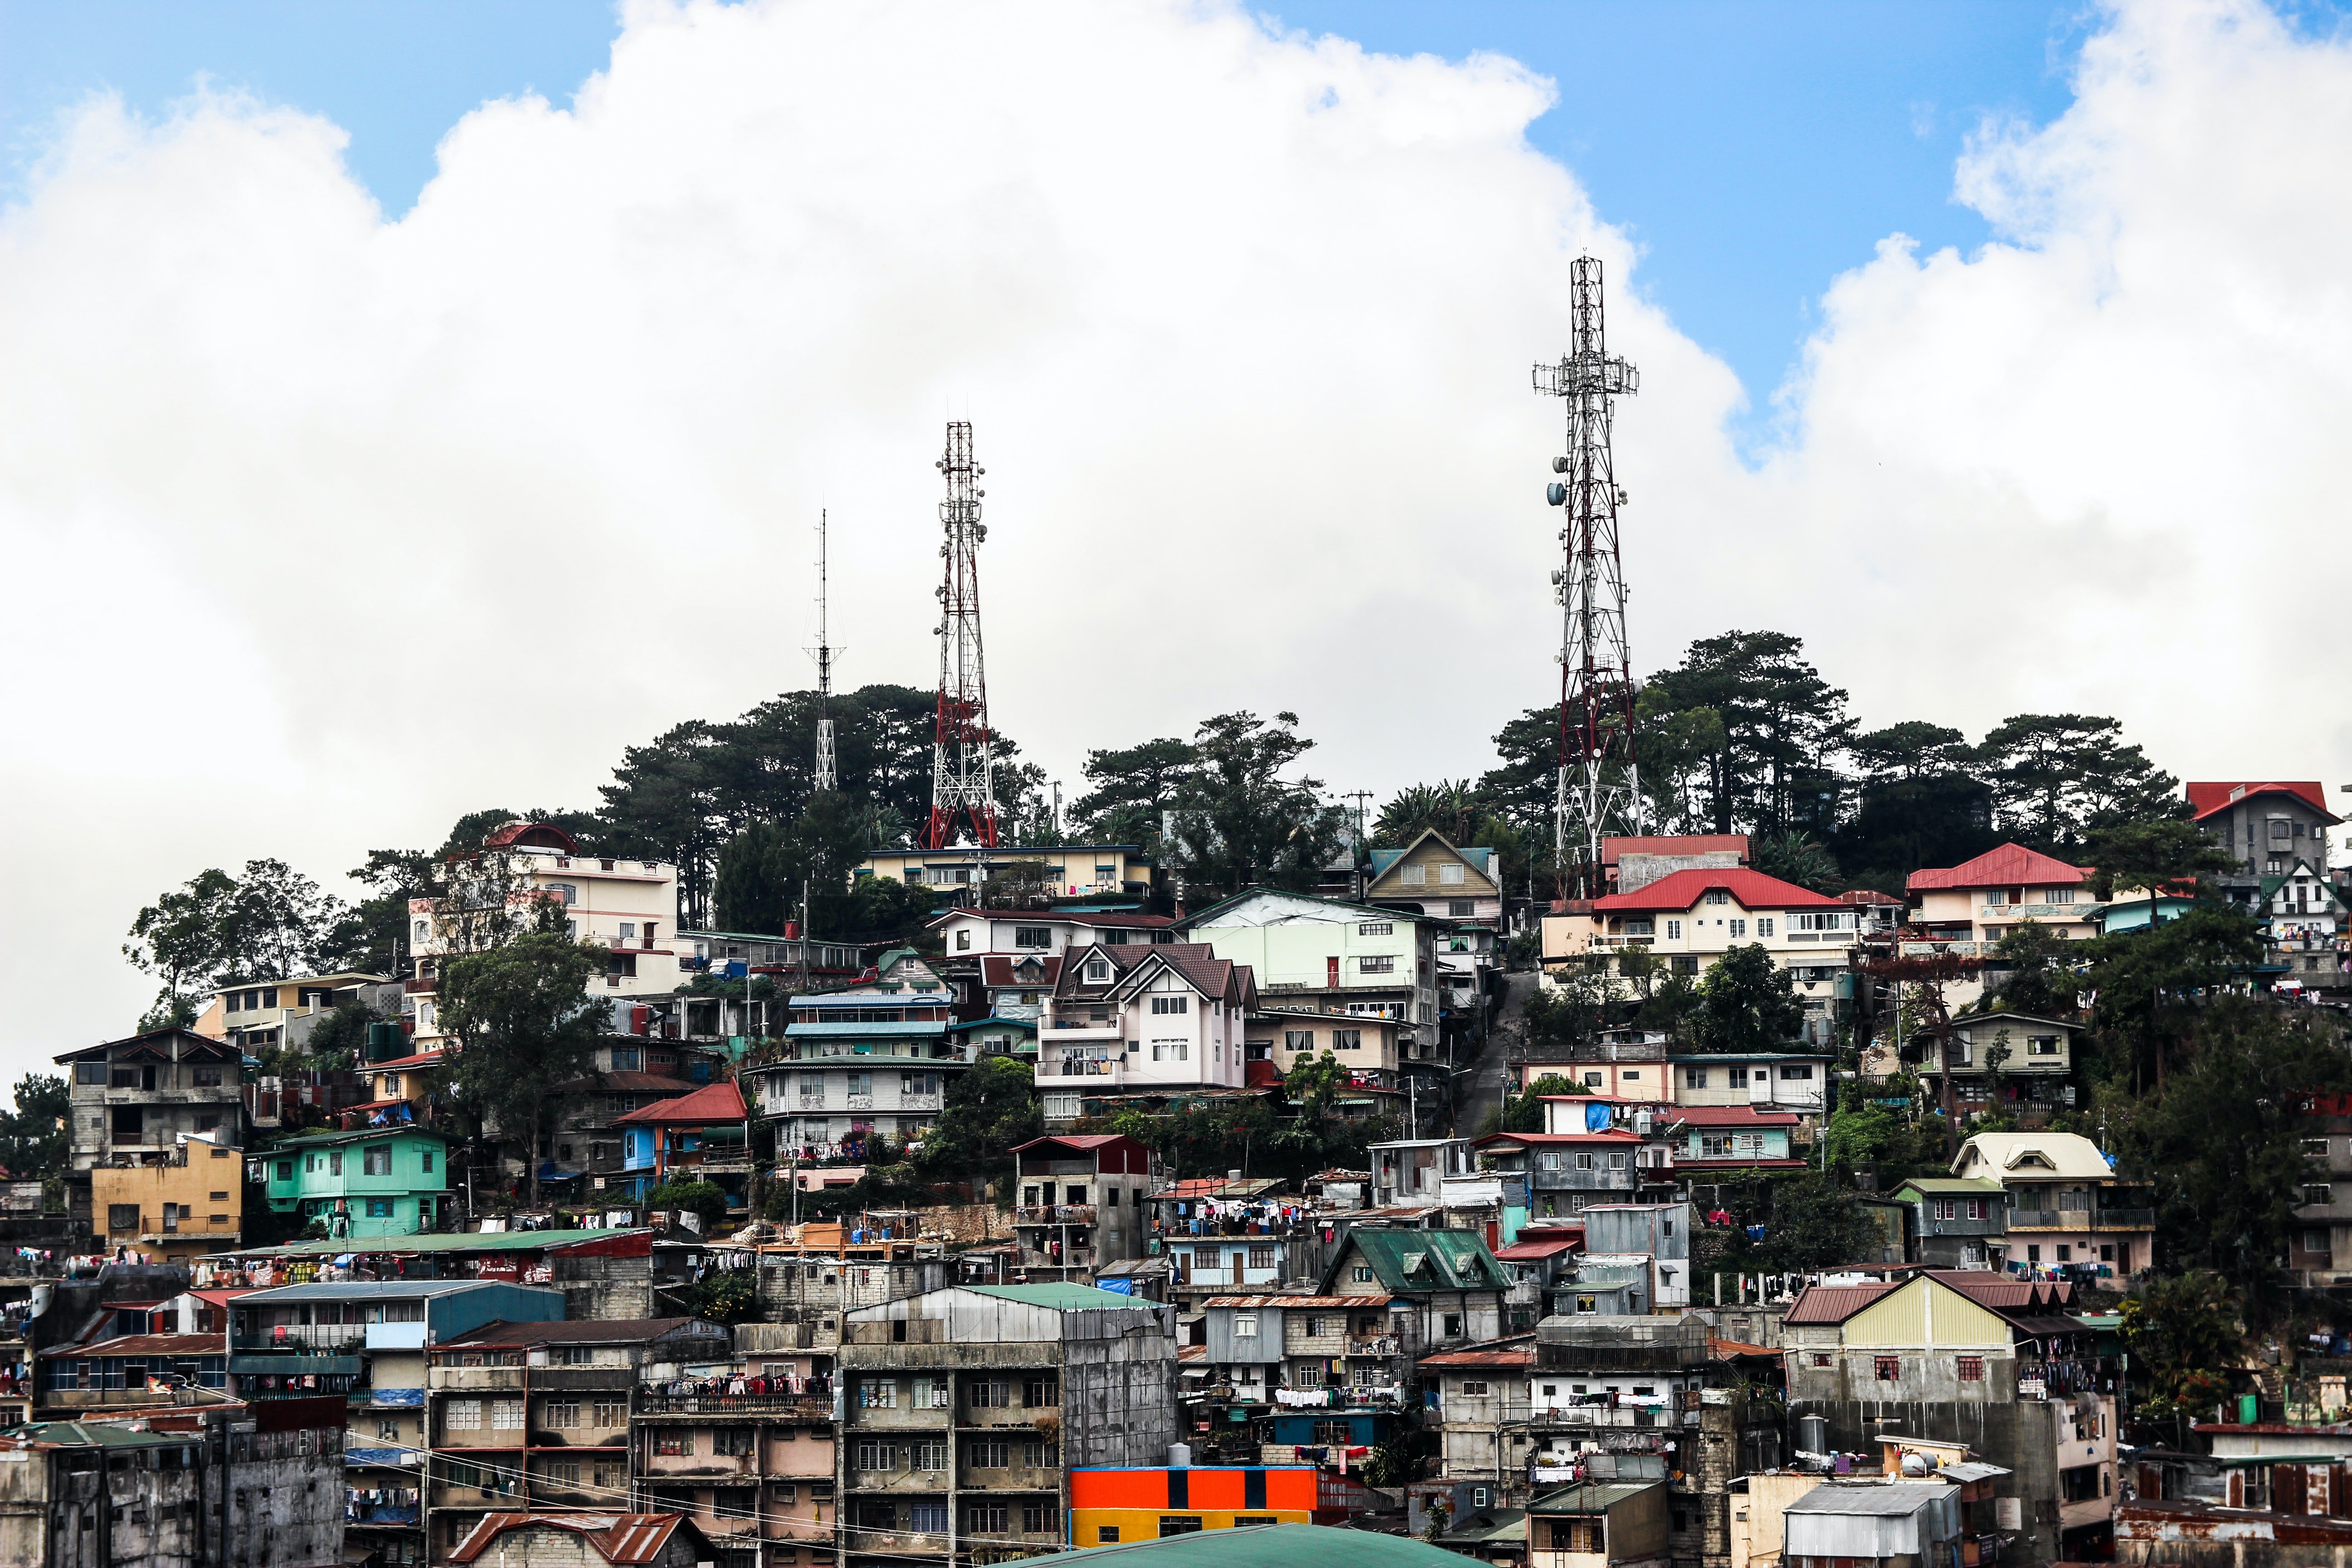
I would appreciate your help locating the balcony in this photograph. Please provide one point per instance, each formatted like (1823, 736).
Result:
(1054, 1213)
(1620, 1416)
(2048, 1219)
(317, 1338)
(736, 1404)
(2123, 1219)
(1373, 1345)
(1105, 1068)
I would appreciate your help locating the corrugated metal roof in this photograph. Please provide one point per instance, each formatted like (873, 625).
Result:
(1325, 1302)
(2003, 866)
(1590, 1497)
(146, 1344)
(1678, 891)
(1834, 1303)
(584, 1331)
(618, 1538)
(1875, 1500)
(2206, 797)
(1278, 1546)
(721, 1101)
(1061, 1298)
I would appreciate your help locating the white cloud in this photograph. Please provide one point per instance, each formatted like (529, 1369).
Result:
(327, 529)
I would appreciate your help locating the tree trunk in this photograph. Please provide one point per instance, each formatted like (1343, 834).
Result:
(531, 1150)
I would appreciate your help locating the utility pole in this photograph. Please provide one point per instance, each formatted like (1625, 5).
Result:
(1600, 789)
(963, 761)
(828, 776)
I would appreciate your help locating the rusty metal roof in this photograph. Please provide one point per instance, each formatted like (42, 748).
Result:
(1835, 1303)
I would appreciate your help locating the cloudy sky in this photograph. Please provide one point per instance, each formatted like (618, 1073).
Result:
(350, 486)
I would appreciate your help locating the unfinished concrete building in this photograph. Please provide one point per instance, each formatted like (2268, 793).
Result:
(963, 1408)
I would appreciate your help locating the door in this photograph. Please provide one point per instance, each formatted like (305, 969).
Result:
(1332, 973)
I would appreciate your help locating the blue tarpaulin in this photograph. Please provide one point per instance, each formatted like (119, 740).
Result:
(1596, 1118)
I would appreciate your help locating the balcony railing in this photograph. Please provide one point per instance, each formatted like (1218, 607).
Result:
(1054, 1213)
(2047, 1219)
(2123, 1219)
(316, 1339)
(1085, 1067)
(735, 1404)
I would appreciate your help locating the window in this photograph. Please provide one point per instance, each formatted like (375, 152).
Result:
(2042, 1045)
(427, 1166)
(984, 1519)
(2281, 829)
(989, 1395)
(285, 1170)
(1413, 876)
(1694, 1077)
(506, 1415)
(376, 1160)
(931, 1454)
(1190, 1523)
(1098, 971)
(1586, 1306)
(90, 1072)
(1887, 1368)
(1339, 1433)
(1764, 925)
(1593, 1080)
(1363, 1274)
(1473, 1389)
(1971, 1368)
(1376, 963)
(1376, 928)
(335, 1163)
(732, 1441)
(1041, 1456)
(1170, 1051)
(1461, 908)
(1630, 1075)
(1298, 1039)
(1452, 1325)
(1738, 928)
(610, 1410)
(1717, 896)
(963, 941)
(2061, 895)
(872, 1454)
(462, 1416)
(1032, 936)
(123, 1216)
(1346, 1039)
(1797, 1074)
(561, 1412)
(877, 1393)
(1042, 1393)
(1820, 1358)
(1171, 1005)
(1038, 1518)
(1107, 1533)
(379, 1208)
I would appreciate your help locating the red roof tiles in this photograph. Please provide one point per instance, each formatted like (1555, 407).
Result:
(1679, 890)
(998, 969)
(2003, 866)
(2205, 799)
(1612, 847)
(720, 1101)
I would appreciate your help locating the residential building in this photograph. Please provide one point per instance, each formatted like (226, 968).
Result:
(1873, 1524)
(2068, 1211)
(2303, 918)
(584, 1540)
(393, 1181)
(1956, 1222)
(787, 957)
(1451, 1286)
(603, 1274)
(1323, 957)
(1349, 1351)
(1483, 1410)
(1081, 1200)
(808, 1286)
(1462, 889)
(1598, 1524)
(741, 1443)
(1691, 918)
(2002, 1062)
(1018, 984)
(2264, 827)
(1656, 1234)
(701, 1137)
(135, 1098)
(1369, 1047)
(156, 1492)
(258, 1014)
(872, 1061)
(997, 1038)
(1626, 1072)
(2282, 1466)
(529, 1416)
(1409, 1171)
(1966, 909)
(964, 1409)
(2320, 1254)
(1768, 1081)
(174, 1209)
(968, 934)
(1712, 1143)
(1881, 913)
(1070, 870)
(1134, 1018)
(1567, 1172)
(1967, 1358)
(628, 907)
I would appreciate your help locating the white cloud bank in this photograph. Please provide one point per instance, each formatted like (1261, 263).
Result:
(325, 528)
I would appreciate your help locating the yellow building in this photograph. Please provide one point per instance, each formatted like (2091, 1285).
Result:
(178, 1211)
(1071, 870)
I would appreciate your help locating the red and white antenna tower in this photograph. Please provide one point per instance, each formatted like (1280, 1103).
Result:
(963, 764)
(1600, 788)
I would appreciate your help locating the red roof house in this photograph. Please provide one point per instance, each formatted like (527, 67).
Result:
(2003, 866)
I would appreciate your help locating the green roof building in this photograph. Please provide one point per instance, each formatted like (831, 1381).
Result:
(1453, 1287)
(378, 1181)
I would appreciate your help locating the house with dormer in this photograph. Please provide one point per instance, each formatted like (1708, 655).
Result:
(2302, 914)
(1131, 1018)
(1966, 909)
(1016, 984)
(1313, 954)
(1445, 1290)
(2070, 1215)
(1460, 887)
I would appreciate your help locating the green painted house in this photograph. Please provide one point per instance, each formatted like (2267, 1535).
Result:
(378, 1181)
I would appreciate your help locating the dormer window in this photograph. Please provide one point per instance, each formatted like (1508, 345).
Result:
(1098, 971)
(1717, 896)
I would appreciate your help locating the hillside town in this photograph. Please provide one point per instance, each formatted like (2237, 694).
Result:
(1711, 1135)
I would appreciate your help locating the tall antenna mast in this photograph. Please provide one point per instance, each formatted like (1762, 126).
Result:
(1600, 788)
(827, 772)
(963, 764)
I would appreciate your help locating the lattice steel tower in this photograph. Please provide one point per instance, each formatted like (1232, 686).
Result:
(827, 771)
(1599, 787)
(963, 764)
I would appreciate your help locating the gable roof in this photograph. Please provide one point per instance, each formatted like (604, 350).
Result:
(191, 1043)
(720, 1101)
(1099, 919)
(2207, 798)
(2002, 866)
(1407, 1260)
(1478, 858)
(618, 1538)
(1679, 890)
(1003, 969)
(2032, 1155)
(1060, 1298)
(1347, 911)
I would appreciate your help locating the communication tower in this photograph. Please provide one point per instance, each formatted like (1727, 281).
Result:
(827, 772)
(1599, 787)
(963, 765)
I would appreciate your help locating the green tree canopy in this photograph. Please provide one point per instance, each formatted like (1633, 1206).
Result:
(1798, 857)
(988, 1110)
(36, 1136)
(523, 1027)
(1242, 820)
(2185, 1333)
(1131, 788)
(2163, 854)
(272, 923)
(2034, 970)
(2060, 775)
(1748, 1003)
(1778, 727)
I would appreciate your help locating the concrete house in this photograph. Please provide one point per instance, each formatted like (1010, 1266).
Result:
(594, 1540)
(964, 1408)
(2004, 1062)
(1321, 956)
(1873, 1524)
(1080, 1200)
(177, 1208)
(969, 934)
(134, 1098)
(1966, 909)
(1768, 1080)
(1598, 1524)
(1454, 1286)
(2264, 827)
(875, 1059)
(1956, 1222)
(1071, 870)
(1714, 1142)
(699, 1137)
(378, 1182)
(1483, 1410)
(284, 1012)
(2068, 1212)
(1460, 887)
(1348, 1344)
(1142, 1019)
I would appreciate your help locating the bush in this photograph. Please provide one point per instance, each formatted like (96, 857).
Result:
(705, 1198)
